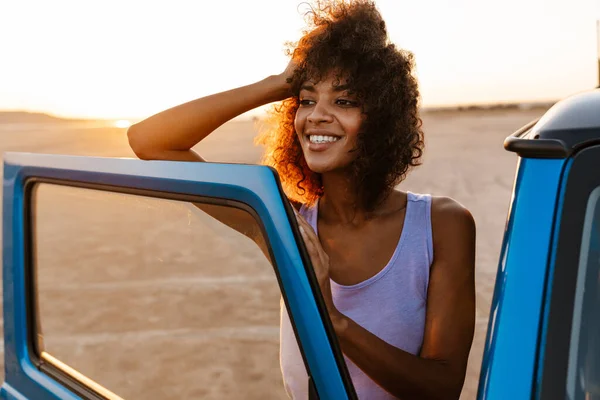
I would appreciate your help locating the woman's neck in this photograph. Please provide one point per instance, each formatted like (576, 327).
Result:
(340, 202)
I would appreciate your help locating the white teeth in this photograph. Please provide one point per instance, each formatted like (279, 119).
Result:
(323, 139)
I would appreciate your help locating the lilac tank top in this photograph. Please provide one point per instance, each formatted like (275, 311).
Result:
(391, 304)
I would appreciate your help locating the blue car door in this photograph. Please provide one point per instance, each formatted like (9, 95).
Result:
(54, 286)
(544, 332)
(569, 355)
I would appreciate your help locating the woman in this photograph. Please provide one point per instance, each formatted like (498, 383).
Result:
(396, 269)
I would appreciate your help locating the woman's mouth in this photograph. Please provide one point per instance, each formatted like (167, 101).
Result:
(321, 142)
(323, 138)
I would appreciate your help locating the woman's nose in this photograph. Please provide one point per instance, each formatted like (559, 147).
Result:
(320, 113)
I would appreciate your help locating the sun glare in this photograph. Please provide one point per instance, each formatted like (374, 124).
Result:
(122, 123)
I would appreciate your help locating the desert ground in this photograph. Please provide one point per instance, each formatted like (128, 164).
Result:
(154, 299)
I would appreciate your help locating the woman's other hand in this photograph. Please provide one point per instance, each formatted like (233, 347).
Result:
(320, 262)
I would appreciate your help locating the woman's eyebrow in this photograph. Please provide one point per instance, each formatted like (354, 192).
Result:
(310, 88)
(340, 88)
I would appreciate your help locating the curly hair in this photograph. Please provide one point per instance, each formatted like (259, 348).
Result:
(350, 38)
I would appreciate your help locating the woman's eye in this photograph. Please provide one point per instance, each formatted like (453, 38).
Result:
(346, 103)
(306, 102)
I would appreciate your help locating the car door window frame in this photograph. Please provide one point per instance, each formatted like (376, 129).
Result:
(79, 387)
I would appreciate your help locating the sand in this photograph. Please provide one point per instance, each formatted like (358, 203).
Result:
(153, 299)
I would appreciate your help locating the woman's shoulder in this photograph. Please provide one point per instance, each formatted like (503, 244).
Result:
(449, 217)
(446, 206)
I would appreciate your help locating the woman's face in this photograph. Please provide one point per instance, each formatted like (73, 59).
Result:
(327, 123)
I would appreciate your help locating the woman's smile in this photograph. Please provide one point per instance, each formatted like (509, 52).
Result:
(321, 140)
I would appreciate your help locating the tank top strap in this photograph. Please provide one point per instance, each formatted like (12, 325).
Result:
(310, 214)
(418, 220)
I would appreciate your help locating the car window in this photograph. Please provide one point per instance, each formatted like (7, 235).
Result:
(583, 375)
(154, 298)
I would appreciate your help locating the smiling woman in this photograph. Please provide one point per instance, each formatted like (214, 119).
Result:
(395, 269)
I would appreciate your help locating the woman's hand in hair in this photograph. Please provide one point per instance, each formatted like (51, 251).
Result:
(285, 79)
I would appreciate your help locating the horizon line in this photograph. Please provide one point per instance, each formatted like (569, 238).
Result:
(524, 105)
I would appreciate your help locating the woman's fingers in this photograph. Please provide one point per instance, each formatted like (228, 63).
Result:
(302, 224)
(323, 257)
(308, 230)
(309, 237)
(313, 244)
(310, 245)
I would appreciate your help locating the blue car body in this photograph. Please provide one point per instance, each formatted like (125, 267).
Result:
(523, 324)
(529, 352)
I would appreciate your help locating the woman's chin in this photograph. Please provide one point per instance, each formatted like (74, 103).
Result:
(328, 161)
(322, 168)
(318, 167)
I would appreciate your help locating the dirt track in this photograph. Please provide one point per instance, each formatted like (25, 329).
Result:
(154, 300)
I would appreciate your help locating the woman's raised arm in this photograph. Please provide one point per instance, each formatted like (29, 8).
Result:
(170, 134)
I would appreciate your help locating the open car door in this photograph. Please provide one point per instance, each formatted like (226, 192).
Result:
(117, 274)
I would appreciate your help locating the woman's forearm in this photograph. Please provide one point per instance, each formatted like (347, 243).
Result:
(171, 134)
(402, 374)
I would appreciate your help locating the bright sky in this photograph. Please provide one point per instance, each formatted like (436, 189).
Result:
(129, 59)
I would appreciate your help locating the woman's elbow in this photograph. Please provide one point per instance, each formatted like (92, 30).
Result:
(451, 390)
(138, 143)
